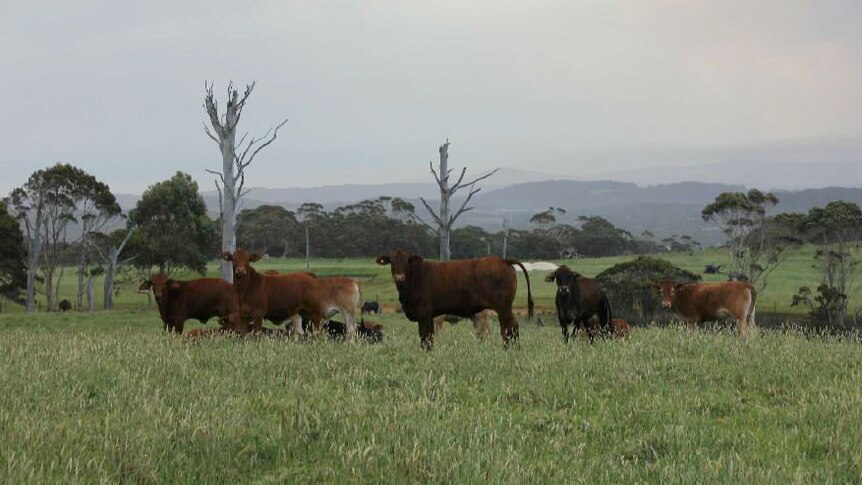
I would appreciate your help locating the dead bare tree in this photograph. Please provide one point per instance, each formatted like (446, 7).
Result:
(444, 219)
(507, 227)
(236, 157)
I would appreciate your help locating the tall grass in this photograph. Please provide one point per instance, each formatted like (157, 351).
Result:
(109, 398)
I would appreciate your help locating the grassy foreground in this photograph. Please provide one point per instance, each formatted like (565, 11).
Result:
(108, 398)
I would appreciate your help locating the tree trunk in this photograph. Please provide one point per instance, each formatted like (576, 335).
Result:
(228, 209)
(307, 251)
(31, 282)
(91, 295)
(505, 243)
(57, 286)
(49, 289)
(82, 268)
(108, 300)
(443, 230)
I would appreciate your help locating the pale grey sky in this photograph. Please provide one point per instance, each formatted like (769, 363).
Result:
(371, 88)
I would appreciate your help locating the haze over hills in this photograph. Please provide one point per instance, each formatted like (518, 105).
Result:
(663, 209)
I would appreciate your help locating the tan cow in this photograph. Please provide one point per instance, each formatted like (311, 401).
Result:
(480, 323)
(696, 303)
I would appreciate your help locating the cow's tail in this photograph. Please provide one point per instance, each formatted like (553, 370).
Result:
(609, 318)
(530, 305)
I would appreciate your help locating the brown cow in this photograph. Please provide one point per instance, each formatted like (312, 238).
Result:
(337, 294)
(199, 299)
(463, 288)
(275, 297)
(700, 302)
(578, 299)
(622, 328)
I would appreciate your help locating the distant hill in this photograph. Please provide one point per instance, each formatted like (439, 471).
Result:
(663, 209)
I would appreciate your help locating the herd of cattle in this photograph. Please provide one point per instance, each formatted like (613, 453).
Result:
(428, 293)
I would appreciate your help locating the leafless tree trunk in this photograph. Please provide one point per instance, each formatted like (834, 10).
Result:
(444, 219)
(112, 265)
(34, 250)
(506, 229)
(307, 250)
(91, 294)
(236, 157)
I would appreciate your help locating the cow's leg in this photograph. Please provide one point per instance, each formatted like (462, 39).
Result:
(257, 323)
(178, 327)
(426, 333)
(349, 322)
(591, 329)
(296, 325)
(508, 327)
(480, 325)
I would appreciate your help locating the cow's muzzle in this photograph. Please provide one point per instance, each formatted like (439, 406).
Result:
(666, 304)
(399, 277)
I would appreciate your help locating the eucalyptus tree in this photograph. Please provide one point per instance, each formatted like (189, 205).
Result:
(236, 157)
(444, 218)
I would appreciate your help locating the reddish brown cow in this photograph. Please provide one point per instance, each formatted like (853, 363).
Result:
(696, 303)
(463, 288)
(275, 297)
(199, 299)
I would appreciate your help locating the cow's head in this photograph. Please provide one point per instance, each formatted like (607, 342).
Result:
(668, 290)
(400, 261)
(160, 284)
(564, 277)
(241, 260)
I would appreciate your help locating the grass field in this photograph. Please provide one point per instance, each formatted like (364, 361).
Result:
(108, 398)
(376, 282)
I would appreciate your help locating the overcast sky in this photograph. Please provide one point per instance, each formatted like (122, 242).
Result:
(371, 88)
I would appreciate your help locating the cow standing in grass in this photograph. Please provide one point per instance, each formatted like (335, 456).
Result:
(463, 288)
(199, 299)
(578, 300)
(702, 302)
(274, 297)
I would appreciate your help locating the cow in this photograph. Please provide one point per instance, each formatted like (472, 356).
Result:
(622, 329)
(577, 300)
(371, 307)
(712, 269)
(701, 302)
(65, 305)
(199, 299)
(366, 330)
(338, 294)
(274, 297)
(463, 288)
(480, 323)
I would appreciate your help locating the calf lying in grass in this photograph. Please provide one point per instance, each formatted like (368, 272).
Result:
(366, 330)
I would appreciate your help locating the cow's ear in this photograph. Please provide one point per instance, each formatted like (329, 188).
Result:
(383, 260)
(227, 256)
(146, 285)
(551, 277)
(254, 257)
(414, 259)
(679, 286)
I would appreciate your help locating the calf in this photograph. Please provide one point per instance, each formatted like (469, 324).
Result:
(371, 307)
(65, 305)
(199, 299)
(701, 302)
(578, 299)
(368, 331)
(337, 294)
(622, 329)
(462, 288)
(274, 297)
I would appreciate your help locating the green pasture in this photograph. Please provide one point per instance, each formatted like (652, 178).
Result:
(376, 282)
(108, 398)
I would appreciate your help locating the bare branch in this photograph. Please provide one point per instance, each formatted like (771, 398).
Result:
(473, 191)
(220, 175)
(431, 211)
(483, 177)
(434, 172)
(209, 133)
(457, 184)
(261, 147)
(429, 226)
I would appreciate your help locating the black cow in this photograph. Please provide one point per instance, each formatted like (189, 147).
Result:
(712, 269)
(579, 299)
(65, 305)
(365, 330)
(371, 307)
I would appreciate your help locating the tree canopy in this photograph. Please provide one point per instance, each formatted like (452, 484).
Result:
(13, 272)
(173, 229)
